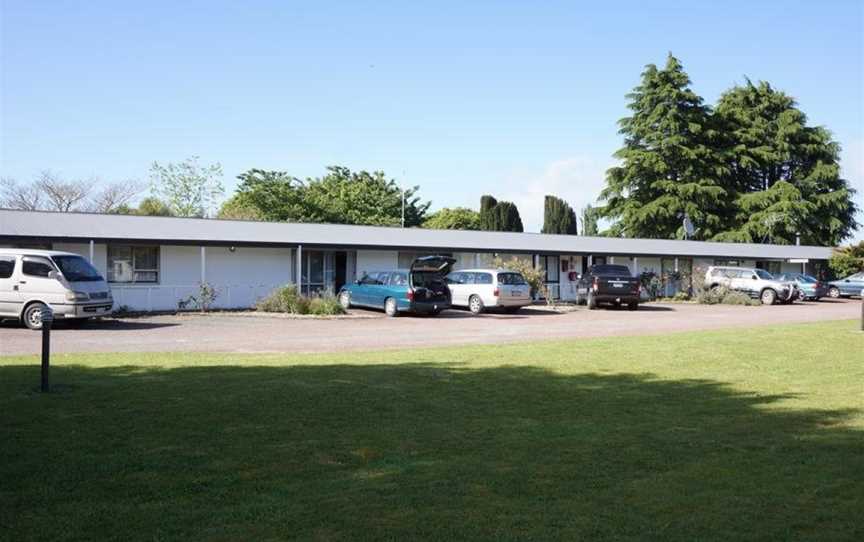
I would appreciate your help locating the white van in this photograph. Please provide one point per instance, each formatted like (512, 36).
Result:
(66, 282)
(479, 289)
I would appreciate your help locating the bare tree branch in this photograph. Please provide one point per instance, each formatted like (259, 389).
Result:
(25, 197)
(114, 196)
(63, 195)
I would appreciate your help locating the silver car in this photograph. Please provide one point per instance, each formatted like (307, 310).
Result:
(757, 283)
(479, 289)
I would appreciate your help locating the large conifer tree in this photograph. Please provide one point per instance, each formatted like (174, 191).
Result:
(558, 216)
(669, 167)
(785, 174)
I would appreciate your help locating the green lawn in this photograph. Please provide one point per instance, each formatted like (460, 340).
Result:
(701, 436)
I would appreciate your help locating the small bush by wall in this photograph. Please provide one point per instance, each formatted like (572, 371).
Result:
(723, 296)
(288, 300)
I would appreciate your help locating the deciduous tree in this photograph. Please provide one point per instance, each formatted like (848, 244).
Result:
(453, 218)
(189, 188)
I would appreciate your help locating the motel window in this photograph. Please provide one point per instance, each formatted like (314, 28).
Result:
(133, 264)
(728, 263)
(773, 267)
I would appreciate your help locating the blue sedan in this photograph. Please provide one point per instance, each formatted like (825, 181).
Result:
(419, 289)
(851, 285)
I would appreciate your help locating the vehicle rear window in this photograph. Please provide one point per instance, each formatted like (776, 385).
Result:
(514, 279)
(610, 270)
(399, 279)
(7, 265)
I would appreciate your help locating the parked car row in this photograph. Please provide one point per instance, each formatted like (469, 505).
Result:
(785, 287)
(429, 286)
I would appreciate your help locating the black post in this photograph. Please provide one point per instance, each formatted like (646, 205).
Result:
(862, 310)
(47, 320)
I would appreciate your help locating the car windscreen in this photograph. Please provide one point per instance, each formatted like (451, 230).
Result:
(76, 269)
(765, 275)
(610, 270)
(807, 278)
(514, 279)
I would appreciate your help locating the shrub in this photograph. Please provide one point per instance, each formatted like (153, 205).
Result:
(326, 305)
(681, 296)
(288, 300)
(738, 298)
(285, 299)
(724, 296)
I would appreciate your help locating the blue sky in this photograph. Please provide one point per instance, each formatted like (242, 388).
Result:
(516, 99)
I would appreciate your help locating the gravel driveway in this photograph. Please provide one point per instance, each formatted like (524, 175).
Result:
(234, 333)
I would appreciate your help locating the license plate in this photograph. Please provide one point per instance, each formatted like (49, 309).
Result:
(582, 290)
(516, 293)
(617, 285)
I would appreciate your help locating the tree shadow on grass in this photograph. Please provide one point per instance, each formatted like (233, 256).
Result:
(422, 451)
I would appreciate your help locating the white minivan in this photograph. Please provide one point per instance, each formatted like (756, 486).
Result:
(479, 289)
(30, 280)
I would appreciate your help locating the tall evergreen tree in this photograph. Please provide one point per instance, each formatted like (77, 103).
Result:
(507, 217)
(669, 166)
(487, 215)
(589, 221)
(785, 174)
(558, 216)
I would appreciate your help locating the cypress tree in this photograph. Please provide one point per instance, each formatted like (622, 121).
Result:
(507, 217)
(487, 215)
(670, 166)
(558, 217)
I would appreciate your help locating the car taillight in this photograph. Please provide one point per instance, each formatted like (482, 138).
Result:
(596, 284)
(496, 292)
(410, 295)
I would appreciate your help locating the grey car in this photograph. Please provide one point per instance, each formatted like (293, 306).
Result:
(757, 283)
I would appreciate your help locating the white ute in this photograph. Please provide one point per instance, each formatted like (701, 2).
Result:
(30, 280)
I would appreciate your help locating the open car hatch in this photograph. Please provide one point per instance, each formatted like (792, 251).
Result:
(433, 264)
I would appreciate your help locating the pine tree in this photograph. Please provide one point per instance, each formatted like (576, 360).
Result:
(669, 166)
(558, 217)
(785, 175)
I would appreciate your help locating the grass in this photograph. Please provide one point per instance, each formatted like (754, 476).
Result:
(744, 435)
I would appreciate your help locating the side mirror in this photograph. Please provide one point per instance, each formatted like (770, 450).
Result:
(755, 277)
(54, 275)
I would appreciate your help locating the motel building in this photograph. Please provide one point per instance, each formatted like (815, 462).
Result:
(155, 263)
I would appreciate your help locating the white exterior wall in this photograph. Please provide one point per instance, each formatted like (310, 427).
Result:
(376, 260)
(240, 278)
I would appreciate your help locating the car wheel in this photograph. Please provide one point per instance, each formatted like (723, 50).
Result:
(834, 292)
(32, 316)
(390, 308)
(345, 300)
(633, 306)
(475, 305)
(592, 303)
(768, 296)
